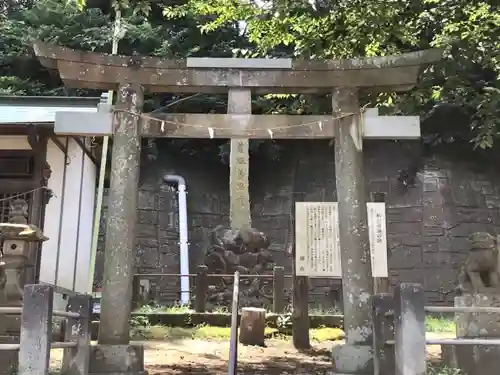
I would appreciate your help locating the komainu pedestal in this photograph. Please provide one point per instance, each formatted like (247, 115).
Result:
(16, 236)
(475, 359)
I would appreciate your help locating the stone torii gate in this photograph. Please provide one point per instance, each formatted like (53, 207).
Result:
(131, 76)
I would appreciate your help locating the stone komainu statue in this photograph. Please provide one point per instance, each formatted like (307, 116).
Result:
(481, 269)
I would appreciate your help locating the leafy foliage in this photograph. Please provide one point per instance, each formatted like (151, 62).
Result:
(459, 98)
(465, 85)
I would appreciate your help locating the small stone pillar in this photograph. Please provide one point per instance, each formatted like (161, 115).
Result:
(17, 235)
(475, 359)
(252, 326)
(113, 354)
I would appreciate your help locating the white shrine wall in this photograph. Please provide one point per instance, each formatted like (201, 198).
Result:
(69, 215)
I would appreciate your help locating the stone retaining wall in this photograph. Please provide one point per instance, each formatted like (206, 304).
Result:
(427, 224)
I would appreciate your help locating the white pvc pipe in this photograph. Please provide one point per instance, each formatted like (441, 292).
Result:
(183, 234)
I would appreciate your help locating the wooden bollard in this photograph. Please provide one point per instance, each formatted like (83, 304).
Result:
(252, 326)
(201, 285)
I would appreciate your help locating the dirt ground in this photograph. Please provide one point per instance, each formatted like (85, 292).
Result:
(210, 357)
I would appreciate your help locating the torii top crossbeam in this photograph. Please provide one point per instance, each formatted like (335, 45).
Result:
(82, 69)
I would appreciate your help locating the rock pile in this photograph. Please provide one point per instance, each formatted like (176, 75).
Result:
(245, 251)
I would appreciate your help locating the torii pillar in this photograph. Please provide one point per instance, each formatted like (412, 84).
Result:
(260, 76)
(357, 281)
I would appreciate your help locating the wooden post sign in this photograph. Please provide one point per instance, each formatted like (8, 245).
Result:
(317, 239)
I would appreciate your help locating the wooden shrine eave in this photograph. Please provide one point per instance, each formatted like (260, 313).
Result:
(84, 69)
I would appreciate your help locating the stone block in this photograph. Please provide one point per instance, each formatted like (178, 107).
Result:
(439, 278)
(456, 245)
(433, 198)
(475, 359)
(196, 220)
(472, 359)
(433, 231)
(147, 217)
(430, 245)
(466, 229)
(117, 360)
(353, 359)
(430, 184)
(146, 200)
(411, 241)
(147, 242)
(473, 215)
(405, 198)
(394, 241)
(404, 214)
(404, 227)
(414, 275)
(405, 258)
(146, 231)
(478, 324)
(379, 186)
(167, 201)
(208, 203)
(433, 216)
(464, 195)
(199, 234)
(437, 258)
(169, 220)
(267, 223)
(147, 257)
(168, 235)
(276, 205)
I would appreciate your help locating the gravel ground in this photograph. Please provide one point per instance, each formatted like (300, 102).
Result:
(188, 356)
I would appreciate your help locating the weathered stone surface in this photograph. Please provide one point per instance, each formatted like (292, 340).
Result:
(209, 196)
(405, 258)
(121, 228)
(478, 324)
(103, 71)
(245, 251)
(475, 359)
(353, 359)
(146, 200)
(147, 217)
(404, 215)
(116, 359)
(146, 230)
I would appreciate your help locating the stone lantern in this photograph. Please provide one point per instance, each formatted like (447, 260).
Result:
(17, 236)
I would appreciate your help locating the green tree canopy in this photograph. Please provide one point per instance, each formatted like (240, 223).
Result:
(458, 99)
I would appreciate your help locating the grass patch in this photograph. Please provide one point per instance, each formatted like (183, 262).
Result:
(175, 309)
(204, 332)
(439, 324)
(185, 309)
(326, 334)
